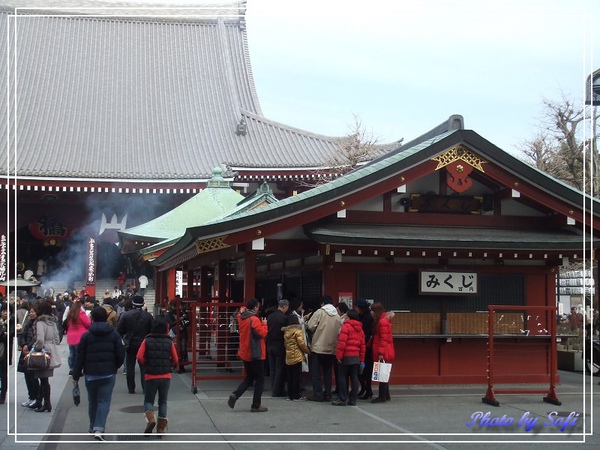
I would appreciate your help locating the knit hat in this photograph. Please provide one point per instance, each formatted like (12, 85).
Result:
(138, 301)
(362, 303)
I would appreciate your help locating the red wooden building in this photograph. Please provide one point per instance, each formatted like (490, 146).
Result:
(437, 230)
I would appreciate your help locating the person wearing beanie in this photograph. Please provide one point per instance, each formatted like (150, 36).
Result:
(133, 326)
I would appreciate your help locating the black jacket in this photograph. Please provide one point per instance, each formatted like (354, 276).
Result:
(158, 354)
(367, 323)
(27, 336)
(275, 322)
(137, 324)
(99, 352)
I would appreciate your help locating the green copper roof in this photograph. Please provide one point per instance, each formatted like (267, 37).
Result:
(215, 201)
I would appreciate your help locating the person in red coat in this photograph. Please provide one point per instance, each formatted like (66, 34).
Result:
(252, 352)
(382, 344)
(350, 356)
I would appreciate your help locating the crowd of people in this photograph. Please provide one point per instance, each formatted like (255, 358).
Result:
(102, 336)
(287, 344)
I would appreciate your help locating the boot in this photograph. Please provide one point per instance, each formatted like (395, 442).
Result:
(37, 404)
(46, 396)
(150, 421)
(162, 424)
(367, 395)
(361, 392)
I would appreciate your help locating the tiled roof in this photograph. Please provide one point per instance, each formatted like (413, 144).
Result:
(135, 98)
(214, 201)
(388, 166)
(445, 237)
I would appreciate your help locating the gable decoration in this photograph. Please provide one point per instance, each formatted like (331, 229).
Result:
(459, 163)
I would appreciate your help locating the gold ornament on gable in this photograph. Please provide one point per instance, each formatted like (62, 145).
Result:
(210, 245)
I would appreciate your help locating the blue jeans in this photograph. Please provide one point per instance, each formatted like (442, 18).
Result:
(99, 397)
(160, 385)
(72, 355)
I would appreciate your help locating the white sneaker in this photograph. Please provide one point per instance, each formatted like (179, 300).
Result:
(98, 436)
(28, 403)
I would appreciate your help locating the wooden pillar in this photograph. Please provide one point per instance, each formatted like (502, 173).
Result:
(160, 288)
(171, 283)
(329, 285)
(249, 275)
(222, 281)
(190, 283)
(204, 283)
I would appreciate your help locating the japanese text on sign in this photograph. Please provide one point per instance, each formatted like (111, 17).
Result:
(91, 266)
(3, 247)
(441, 282)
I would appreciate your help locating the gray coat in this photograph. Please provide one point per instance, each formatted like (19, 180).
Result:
(46, 336)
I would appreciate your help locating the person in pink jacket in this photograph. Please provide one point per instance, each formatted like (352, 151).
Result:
(77, 324)
(382, 344)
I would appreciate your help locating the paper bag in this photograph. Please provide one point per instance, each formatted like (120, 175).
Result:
(381, 371)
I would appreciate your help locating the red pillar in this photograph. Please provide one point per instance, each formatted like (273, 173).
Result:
(171, 284)
(250, 275)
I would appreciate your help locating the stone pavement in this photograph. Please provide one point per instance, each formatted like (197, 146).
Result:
(418, 416)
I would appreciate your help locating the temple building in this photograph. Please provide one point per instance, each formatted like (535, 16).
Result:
(447, 232)
(142, 129)
(112, 117)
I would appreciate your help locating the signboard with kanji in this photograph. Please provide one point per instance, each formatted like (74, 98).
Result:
(445, 282)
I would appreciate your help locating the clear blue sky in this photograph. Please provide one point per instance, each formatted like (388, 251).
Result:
(405, 66)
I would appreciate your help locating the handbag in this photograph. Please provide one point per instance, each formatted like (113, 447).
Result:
(76, 394)
(2, 351)
(305, 365)
(381, 371)
(22, 363)
(38, 360)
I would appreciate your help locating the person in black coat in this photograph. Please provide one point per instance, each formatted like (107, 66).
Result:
(100, 353)
(366, 319)
(26, 342)
(276, 348)
(133, 326)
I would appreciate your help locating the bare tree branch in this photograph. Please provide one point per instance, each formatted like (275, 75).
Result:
(558, 149)
(357, 148)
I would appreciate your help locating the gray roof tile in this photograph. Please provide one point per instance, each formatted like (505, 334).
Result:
(141, 99)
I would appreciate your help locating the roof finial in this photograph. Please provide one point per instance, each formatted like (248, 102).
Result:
(217, 180)
(241, 128)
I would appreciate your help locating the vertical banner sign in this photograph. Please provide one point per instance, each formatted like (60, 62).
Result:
(179, 283)
(91, 262)
(3, 246)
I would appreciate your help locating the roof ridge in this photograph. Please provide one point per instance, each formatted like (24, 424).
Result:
(235, 11)
(290, 128)
(248, 63)
(334, 139)
(224, 49)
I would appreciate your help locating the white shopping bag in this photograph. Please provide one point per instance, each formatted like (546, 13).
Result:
(381, 371)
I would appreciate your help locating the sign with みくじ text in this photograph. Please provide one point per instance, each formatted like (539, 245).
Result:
(444, 282)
